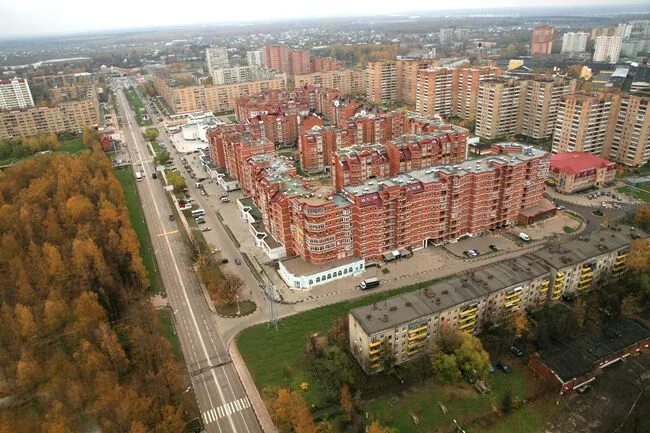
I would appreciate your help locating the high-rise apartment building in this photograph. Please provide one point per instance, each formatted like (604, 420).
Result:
(607, 49)
(582, 123)
(497, 107)
(629, 140)
(434, 93)
(624, 30)
(574, 42)
(465, 89)
(542, 41)
(381, 82)
(407, 76)
(255, 58)
(446, 35)
(241, 74)
(347, 81)
(602, 31)
(299, 62)
(216, 58)
(15, 94)
(540, 100)
(276, 57)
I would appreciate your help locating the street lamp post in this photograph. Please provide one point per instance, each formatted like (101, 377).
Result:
(238, 310)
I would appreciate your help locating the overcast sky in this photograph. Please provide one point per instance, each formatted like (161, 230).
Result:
(38, 17)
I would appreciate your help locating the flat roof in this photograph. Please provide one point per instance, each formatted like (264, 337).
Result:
(460, 289)
(298, 266)
(589, 246)
(577, 357)
(431, 174)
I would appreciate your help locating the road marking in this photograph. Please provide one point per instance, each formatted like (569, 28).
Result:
(167, 233)
(226, 409)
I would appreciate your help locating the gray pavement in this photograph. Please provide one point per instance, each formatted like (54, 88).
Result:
(223, 403)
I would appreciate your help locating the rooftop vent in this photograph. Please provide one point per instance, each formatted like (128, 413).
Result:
(393, 308)
(368, 316)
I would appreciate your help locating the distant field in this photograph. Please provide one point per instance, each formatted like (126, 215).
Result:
(136, 215)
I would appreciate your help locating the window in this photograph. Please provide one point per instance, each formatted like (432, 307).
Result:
(345, 271)
(350, 268)
(340, 273)
(318, 279)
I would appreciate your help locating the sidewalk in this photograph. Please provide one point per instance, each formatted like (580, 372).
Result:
(253, 394)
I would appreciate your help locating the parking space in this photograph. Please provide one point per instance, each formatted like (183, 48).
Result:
(487, 244)
(603, 197)
(548, 228)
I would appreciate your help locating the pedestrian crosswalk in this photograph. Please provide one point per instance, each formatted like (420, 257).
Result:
(224, 410)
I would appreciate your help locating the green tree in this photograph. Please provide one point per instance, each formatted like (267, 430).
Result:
(162, 158)
(471, 357)
(151, 133)
(445, 367)
(176, 180)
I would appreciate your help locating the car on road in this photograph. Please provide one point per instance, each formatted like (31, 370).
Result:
(494, 247)
(200, 221)
(504, 367)
(206, 229)
(237, 262)
(216, 250)
(171, 217)
(516, 351)
(154, 175)
(224, 261)
(471, 253)
(561, 208)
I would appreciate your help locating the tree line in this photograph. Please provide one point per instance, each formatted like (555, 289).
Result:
(22, 147)
(80, 345)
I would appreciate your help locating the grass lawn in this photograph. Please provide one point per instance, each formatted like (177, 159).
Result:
(568, 229)
(285, 364)
(638, 193)
(530, 418)
(462, 402)
(136, 215)
(167, 325)
(70, 146)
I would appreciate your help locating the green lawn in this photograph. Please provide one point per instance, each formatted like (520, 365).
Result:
(136, 105)
(530, 418)
(136, 215)
(284, 364)
(462, 402)
(167, 325)
(70, 146)
(568, 229)
(638, 193)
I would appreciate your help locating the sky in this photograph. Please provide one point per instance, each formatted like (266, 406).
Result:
(20, 18)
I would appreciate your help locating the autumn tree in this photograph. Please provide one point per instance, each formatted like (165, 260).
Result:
(580, 310)
(175, 179)
(151, 134)
(347, 403)
(642, 217)
(639, 259)
(375, 427)
(444, 367)
(291, 414)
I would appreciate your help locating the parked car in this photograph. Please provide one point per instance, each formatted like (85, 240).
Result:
(171, 217)
(154, 175)
(517, 351)
(524, 237)
(504, 367)
(561, 208)
(583, 389)
(206, 229)
(470, 253)
(224, 261)
(494, 247)
(216, 250)
(237, 262)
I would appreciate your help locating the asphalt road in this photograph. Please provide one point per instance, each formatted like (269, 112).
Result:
(223, 403)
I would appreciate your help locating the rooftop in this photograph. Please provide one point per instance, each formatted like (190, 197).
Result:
(584, 248)
(577, 357)
(299, 266)
(431, 174)
(461, 289)
(577, 162)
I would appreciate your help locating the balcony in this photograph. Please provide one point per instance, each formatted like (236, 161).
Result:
(514, 294)
(468, 311)
(418, 329)
(375, 358)
(375, 343)
(467, 326)
(374, 351)
(512, 302)
(418, 337)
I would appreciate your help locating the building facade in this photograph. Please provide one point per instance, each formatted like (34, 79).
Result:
(465, 89)
(629, 139)
(574, 42)
(540, 100)
(299, 62)
(404, 327)
(346, 81)
(542, 40)
(216, 58)
(607, 49)
(497, 108)
(255, 58)
(241, 74)
(15, 94)
(577, 171)
(582, 123)
(276, 57)
(381, 82)
(434, 91)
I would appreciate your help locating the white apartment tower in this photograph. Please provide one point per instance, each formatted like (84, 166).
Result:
(574, 42)
(607, 49)
(216, 58)
(15, 94)
(624, 30)
(255, 58)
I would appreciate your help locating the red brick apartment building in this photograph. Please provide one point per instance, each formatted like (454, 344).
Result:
(276, 57)
(316, 146)
(324, 64)
(232, 145)
(436, 205)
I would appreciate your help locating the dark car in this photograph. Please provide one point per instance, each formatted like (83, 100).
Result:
(517, 351)
(154, 175)
(224, 261)
(171, 217)
(493, 247)
(237, 261)
(504, 367)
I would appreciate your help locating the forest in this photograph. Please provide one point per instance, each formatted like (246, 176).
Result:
(81, 348)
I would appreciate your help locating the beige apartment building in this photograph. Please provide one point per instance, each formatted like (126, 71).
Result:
(381, 82)
(538, 108)
(72, 115)
(497, 108)
(347, 81)
(407, 78)
(434, 91)
(582, 124)
(404, 327)
(216, 98)
(465, 89)
(629, 139)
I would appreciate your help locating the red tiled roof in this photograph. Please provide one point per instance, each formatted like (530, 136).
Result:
(577, 162)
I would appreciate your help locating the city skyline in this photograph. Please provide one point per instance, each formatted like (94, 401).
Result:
(28, 19)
